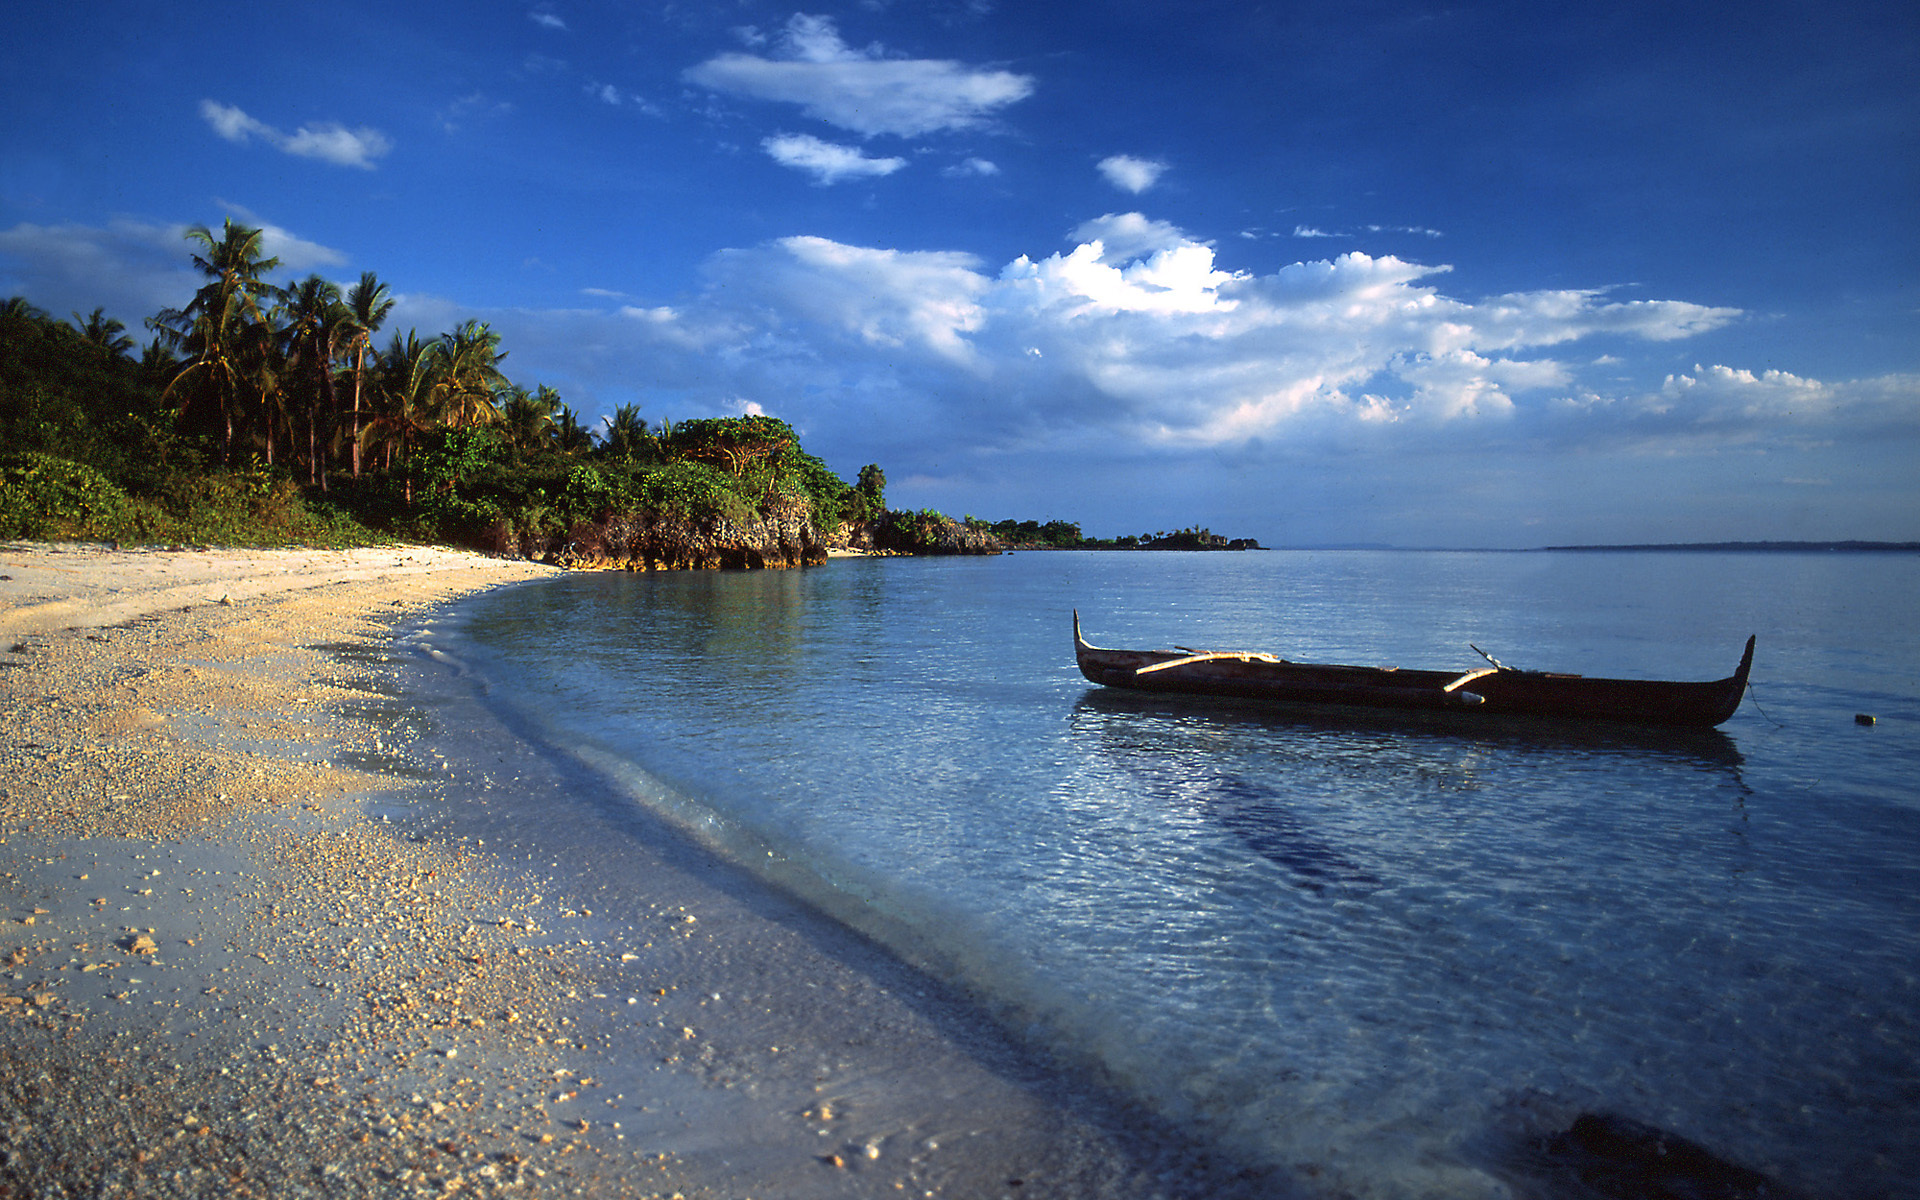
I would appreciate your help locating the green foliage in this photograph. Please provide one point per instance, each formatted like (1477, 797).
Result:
(871, 483)
(63, 395)
(912, 531)
(627, 438)
(731, 443)
(1060, 535)
(588, 491)
(695, 490)
(447, 456)
(426, 439)
(830, 500)
(44, 497)
(47, 498)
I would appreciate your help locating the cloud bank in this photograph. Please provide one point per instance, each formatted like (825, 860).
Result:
(1137, 334)
(1353, 383)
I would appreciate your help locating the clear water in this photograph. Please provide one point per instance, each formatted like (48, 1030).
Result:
(1356, 948)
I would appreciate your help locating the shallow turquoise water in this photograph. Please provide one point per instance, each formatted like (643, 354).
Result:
(1369, 949)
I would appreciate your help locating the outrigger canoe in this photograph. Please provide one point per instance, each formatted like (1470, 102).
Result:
(1496, 690)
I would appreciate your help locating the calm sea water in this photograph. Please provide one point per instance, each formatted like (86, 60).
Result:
(1371, 950)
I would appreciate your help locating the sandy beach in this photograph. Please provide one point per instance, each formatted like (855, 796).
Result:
(229, 970)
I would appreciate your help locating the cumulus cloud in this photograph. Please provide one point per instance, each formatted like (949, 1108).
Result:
(1128, 235)
(1744, 405)
(863, 91)
(327, 141)
(1137, 333)
(1131, 174)
(1133, 342)
(827, 162)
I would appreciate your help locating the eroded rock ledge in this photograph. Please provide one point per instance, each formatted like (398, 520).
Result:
(784, 537)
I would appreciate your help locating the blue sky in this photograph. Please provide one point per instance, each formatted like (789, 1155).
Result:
(1492, 274)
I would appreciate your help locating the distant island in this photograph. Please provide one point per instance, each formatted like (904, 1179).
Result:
(1066, 535)
(1774, 547)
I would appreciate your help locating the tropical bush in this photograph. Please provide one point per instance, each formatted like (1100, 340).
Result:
(263, 414)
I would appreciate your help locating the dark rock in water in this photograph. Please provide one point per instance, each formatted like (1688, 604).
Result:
(1620, 1157)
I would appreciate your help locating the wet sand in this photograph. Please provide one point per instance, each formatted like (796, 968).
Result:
(281, 919)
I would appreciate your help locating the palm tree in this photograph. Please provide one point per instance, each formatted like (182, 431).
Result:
(370, 303)
(529, 417)
(626, 433)
(158, 363)
(468, 376)
(317, 321)
(570, 437)
(403, 404)
(17, 306)
(224, 330)
(103, 331)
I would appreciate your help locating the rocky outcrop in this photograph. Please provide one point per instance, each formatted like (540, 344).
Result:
(923, 533)
(782, 537)
(1620, 1157)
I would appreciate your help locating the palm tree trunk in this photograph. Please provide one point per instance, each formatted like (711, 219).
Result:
(359, 370)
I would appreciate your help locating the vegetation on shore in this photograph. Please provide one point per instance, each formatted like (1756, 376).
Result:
(261, 414)
(1066, 535)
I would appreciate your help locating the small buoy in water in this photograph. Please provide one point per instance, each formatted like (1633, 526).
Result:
(1863, 718)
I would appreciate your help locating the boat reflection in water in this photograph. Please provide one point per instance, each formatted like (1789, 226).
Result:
(1266, 773)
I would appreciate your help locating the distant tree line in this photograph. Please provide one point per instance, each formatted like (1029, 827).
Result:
(259, 413)
(1066, 535)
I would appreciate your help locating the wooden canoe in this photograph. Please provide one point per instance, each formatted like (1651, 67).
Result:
(1484, 691)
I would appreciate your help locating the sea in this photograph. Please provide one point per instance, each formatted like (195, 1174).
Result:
(1368, 952)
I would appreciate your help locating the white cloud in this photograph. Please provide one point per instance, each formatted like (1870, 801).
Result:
(1137, 334)
(1308, 231)
(1124, 236)
(826, 161)
(547, 19)
(131, 268)
(1352, 382)
(1548, 317)
(970, 169)
(1131, 174)
(1754, 405)
(884, 299)
(862, 90)
(328, 141)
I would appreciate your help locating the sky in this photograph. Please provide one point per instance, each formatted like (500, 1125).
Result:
(1449, 274)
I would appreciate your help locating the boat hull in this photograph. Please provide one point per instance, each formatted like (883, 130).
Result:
(1478, 693)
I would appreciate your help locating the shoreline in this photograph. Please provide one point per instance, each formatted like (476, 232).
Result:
(273, 905)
